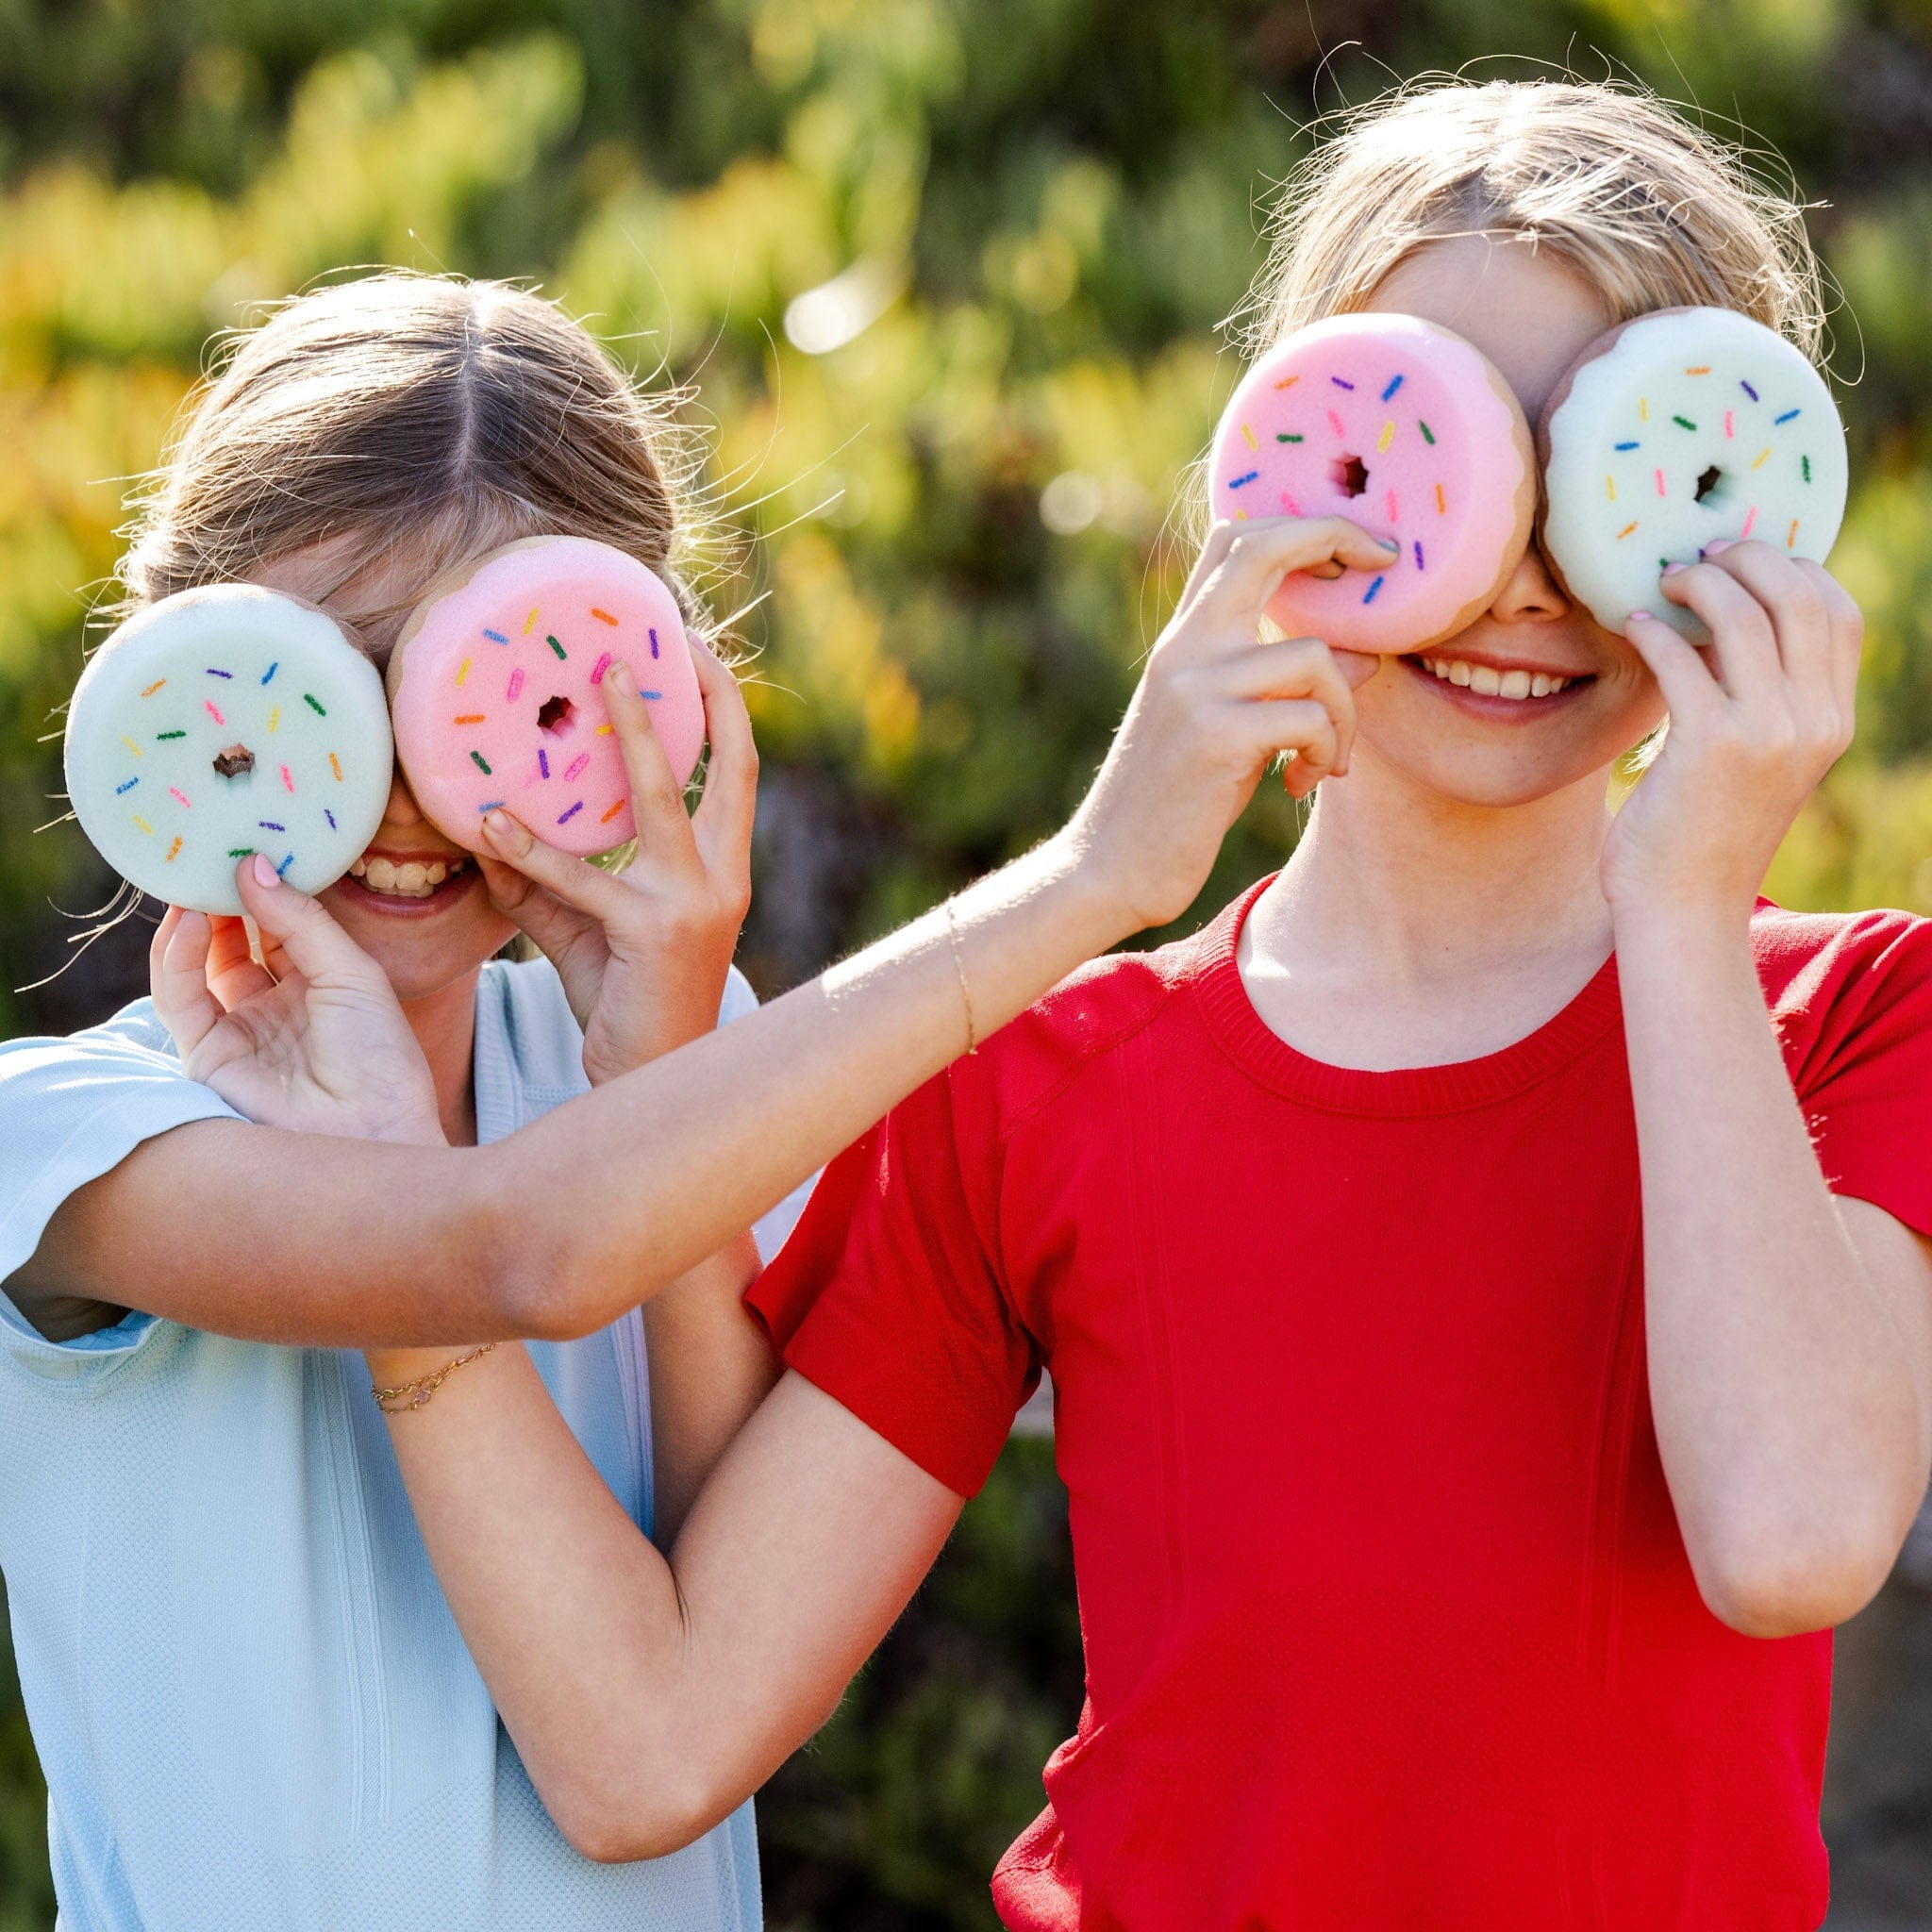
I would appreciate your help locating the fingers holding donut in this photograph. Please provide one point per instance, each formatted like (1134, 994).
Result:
(722, 822)
(657, 797)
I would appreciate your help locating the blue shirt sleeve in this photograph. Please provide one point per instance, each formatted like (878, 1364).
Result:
(70, 1110)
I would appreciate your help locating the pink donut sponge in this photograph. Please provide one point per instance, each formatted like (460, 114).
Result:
(1405, 428)
(496, 690)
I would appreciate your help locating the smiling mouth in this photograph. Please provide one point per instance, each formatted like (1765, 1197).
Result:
(1487, 681)
(411, 879)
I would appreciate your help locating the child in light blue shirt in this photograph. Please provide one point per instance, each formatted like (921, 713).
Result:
(252, 1705)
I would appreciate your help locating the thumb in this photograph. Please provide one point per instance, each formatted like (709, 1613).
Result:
(1356, 667)
(296, 925)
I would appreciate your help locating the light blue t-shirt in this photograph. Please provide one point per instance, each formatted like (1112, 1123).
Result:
(252, 1705)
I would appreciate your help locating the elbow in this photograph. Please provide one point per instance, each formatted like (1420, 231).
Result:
(610, 1828)
(1783, 1579)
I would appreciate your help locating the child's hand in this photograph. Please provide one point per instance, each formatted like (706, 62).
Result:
(1758, 718)
(314, 1042)
(1214, 708)
(643, 954)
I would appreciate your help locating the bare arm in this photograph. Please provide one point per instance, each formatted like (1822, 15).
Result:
(709, 1367)
(255, 1231)
(252, 1231)
(1789, 1334)
(648, 1697)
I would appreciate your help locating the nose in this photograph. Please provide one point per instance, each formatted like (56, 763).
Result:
(402, 808)
(1531, 593)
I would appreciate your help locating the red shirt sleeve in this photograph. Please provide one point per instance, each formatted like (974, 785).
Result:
(1855, 1014)
(886, 1298)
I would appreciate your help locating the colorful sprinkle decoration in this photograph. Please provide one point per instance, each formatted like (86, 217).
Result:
(571, 813)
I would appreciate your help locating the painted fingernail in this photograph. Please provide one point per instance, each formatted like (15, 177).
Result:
(1388, 542)
(265, 873)
(1636, 614)
(620, 676)
(1722, 544)
(1671, 570)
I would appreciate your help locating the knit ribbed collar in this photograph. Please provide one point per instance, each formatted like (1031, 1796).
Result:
(1458, 1087)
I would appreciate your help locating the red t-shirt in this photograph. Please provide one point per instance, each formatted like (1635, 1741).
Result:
(1387, 1622)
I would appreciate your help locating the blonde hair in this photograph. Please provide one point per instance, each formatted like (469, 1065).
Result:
(427, 414)
(1647, 209)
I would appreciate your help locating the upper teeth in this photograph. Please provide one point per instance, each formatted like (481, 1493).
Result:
(1491, 683)
(414, 879)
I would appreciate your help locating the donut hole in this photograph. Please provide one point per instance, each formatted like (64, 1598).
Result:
(1713, 488)
(1348, 476)
(558, 716)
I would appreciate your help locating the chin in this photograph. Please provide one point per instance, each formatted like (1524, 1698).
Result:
(423, 949)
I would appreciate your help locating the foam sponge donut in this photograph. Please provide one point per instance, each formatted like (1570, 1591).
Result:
(496, 690)
(1401, 426)
(224, 720)
(1672, 430)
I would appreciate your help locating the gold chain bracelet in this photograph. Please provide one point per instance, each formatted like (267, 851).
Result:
(965, 991)
(420, 1391)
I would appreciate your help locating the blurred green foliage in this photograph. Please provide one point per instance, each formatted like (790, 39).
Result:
(948, 275)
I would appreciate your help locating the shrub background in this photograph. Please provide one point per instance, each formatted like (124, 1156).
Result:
(949, 276)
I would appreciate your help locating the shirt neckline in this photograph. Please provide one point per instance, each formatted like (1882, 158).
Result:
(1455, 1086)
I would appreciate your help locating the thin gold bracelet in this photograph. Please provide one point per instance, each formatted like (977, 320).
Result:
(965, 991)
(420, 1391)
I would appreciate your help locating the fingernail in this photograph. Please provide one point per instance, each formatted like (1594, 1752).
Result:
(1722, 544)
(1671, 570)
(620, 676)
(497, 825)
(1388, 542)
(265, 873)
(1636, 614)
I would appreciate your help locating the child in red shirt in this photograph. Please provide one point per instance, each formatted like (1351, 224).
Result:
(1483, 1275)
